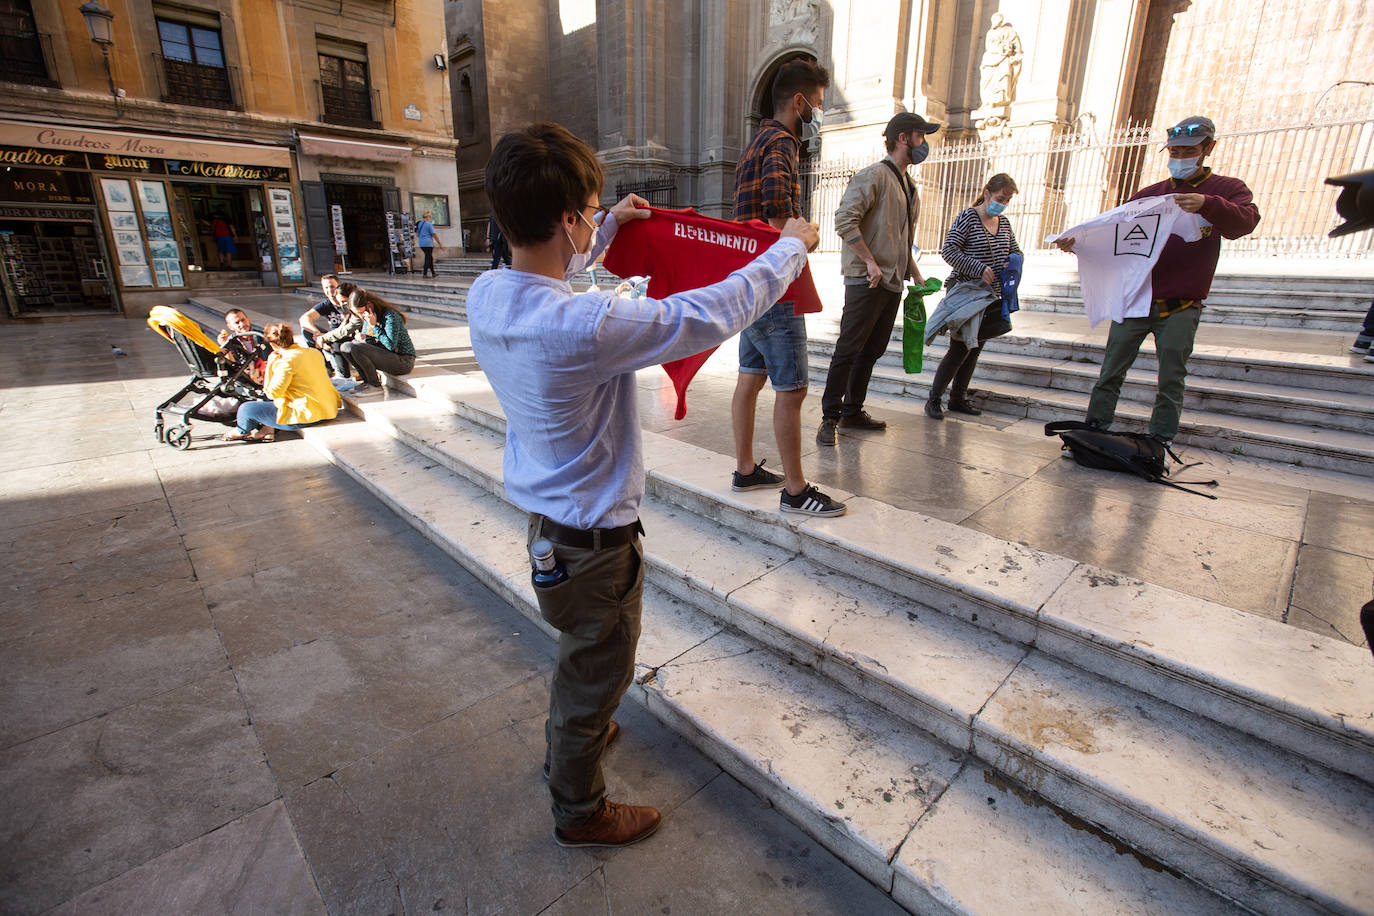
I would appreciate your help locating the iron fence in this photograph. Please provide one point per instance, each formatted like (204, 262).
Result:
(1076, 174)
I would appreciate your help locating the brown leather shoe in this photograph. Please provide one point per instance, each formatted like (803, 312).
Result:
(612, 735)
(612, 825)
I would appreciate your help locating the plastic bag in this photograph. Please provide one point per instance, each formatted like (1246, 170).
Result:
(914, 323)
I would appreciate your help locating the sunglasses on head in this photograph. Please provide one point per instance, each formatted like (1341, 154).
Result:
(1189, 130)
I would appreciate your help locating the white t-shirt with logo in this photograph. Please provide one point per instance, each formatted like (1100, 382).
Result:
(1118, 249)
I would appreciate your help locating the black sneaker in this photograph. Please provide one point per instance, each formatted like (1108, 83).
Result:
(933, 410)
(758, 479)
(862, 420)
(826, 434)
(810, 502)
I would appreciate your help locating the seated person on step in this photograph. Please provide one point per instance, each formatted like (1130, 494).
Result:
(384, 342)
(298, 386)
(326, 315)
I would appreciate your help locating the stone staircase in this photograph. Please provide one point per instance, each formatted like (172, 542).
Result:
(967, 722)
(1295, 407)
(1313, 302)
(971, 724)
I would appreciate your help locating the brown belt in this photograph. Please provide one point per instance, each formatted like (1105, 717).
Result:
(589, 538)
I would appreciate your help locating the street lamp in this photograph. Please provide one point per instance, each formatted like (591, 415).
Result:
(100, 22)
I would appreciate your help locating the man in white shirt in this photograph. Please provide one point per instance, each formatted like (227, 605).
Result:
(563, 367)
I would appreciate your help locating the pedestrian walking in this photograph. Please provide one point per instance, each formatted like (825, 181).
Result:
(426, 239)
(497, 244)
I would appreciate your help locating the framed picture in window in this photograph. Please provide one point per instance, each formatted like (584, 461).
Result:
(434, 203)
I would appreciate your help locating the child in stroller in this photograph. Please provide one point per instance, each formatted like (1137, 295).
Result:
(220, 380)
(242, 345)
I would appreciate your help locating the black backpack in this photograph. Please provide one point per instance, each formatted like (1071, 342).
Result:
(1134, 453)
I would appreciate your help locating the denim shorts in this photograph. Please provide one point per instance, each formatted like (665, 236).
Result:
(776, 344)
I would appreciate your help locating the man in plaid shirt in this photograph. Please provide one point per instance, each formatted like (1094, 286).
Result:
(768, 187)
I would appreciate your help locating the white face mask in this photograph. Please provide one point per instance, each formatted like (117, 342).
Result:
(814, 115)
(579, 259)
(1182, 168)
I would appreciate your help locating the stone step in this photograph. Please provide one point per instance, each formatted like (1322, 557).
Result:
(1303, 371)
(1351, 277)
(950, 567)
(1330, 409)
(1277, 316)
(871, 636)
(856, 778)
(1355, 300)
(1300, 443)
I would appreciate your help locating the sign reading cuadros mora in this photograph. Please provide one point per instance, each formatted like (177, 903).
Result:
(46, 138)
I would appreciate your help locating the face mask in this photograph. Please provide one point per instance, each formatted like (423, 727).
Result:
(1182, 168)
(919, 153)
(579, 259)
(813, 115)
(995, 208)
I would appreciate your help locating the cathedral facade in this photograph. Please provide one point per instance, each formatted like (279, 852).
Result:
(670, 91)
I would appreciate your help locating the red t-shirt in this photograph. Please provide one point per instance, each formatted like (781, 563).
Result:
(680, 250)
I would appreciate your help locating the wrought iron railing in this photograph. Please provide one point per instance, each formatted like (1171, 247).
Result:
(187, 83)
(1069, 177)
(26, 57)
(349, 107)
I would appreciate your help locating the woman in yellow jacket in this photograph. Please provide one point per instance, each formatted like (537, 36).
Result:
(298, 384)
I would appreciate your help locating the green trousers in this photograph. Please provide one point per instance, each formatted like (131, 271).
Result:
(596, 612)
(1173, 345)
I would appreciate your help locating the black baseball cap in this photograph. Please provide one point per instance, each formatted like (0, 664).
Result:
(904, 122)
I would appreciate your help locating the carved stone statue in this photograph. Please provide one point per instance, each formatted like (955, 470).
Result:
(1001, 66)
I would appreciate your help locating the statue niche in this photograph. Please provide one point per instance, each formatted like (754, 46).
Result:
(999, 73)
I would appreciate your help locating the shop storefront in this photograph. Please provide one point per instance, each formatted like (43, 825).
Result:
(95, 220)
(53, 258)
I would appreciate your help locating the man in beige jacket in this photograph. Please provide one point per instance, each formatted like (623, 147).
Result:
(876, 219)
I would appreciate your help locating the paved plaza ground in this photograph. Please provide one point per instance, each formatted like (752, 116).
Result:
(231, 680)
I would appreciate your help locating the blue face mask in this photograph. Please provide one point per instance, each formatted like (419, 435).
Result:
(995, 208)
(919, 153)
(1182, 168)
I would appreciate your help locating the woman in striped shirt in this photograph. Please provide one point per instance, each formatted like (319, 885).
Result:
(977, 247)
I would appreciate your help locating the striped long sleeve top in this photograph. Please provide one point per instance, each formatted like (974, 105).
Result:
(969, 248)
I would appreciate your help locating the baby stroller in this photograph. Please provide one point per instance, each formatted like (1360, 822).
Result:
(220, 379)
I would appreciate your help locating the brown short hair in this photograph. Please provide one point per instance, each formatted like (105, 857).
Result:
(536, 175)
(999, 182)
(279, 335)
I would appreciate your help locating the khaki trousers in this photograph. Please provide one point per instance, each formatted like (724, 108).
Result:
(596, 611)
(1173, 345)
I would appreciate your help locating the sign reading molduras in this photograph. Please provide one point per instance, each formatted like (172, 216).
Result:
(227, 170)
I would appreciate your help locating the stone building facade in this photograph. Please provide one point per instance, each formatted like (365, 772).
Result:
(669, 91)
(129, 158)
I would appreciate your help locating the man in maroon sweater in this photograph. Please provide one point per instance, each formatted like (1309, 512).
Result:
(1181, 279)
